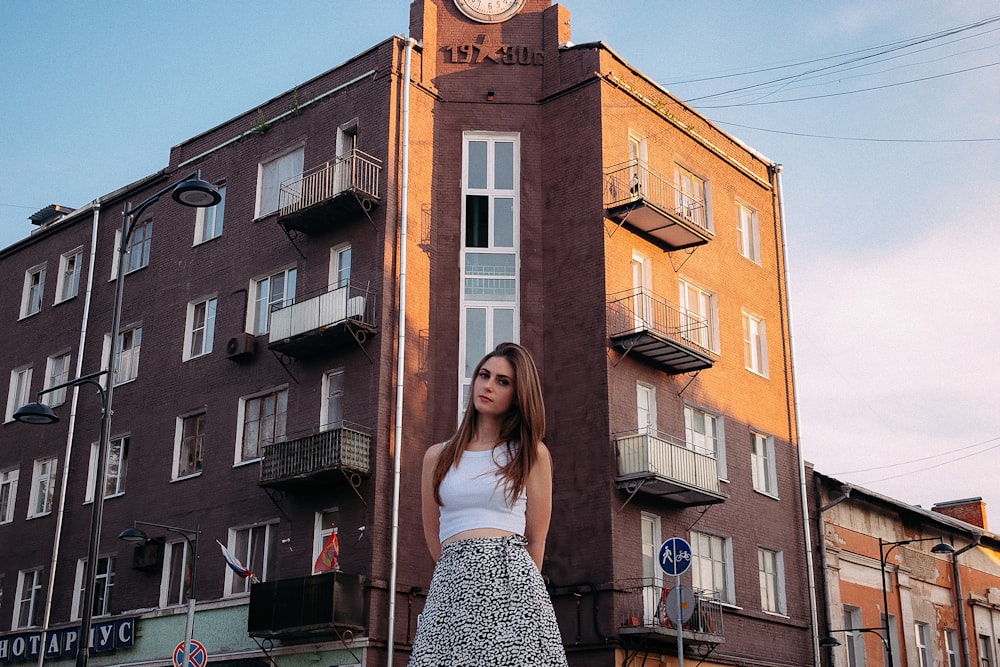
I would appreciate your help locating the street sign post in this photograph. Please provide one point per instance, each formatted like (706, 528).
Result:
(197, 656)
(675, 559)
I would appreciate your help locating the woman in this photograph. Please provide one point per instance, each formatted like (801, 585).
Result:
(487, 500)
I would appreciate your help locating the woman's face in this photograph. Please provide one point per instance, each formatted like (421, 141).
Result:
(493, 388)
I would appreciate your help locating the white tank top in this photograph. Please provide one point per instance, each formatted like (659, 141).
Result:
(473, 496)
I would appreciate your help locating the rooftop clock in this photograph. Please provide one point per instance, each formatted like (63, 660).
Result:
(489, 11)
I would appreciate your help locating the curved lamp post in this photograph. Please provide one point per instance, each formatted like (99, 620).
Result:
(831, 642)
(190, 191)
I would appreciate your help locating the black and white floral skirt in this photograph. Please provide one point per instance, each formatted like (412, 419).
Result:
(487, 606)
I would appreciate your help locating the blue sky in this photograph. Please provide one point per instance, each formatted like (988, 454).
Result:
(888, 131)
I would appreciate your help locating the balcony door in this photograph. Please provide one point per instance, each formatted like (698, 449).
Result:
(652, 575)
(641, 284)
(347, 142)
(645, 398)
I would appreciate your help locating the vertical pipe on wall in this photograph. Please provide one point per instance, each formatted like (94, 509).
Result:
(404, 176)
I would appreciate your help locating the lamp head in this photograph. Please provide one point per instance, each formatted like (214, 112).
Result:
(196, 193)
(35, 413)
(942, 548)
(133, 534)
(829, 642)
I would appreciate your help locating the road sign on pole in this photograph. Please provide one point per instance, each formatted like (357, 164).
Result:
(197, 656)
(675, 556)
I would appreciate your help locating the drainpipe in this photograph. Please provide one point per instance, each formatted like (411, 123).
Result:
(71, 431)
(845, 493)
(790, 382)
(404, 186)
(959, 606)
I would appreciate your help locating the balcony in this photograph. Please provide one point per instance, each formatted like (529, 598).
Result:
(645, 614)
(330, 194)
(653, 205)
(643, 323)
(661, 466)
(317, 459)
(324, 322)
(315, 606)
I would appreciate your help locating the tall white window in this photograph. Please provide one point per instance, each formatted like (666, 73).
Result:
(326, 523)
(703, 433)
(747, 235)
(270, 176)
(8, 494)
(28, 613)
(762, 464)
(56, 373)
(332, 410)
(262, 422)
(770, 568)
(698, 318)
(33, 292)
(178, 566)
(137, 254)
(200, 327)
(951, 647)
(638, 158)
(127, 348)
(490, 241)
(754, 344)
(985, 651)
(255, 547)
(690, 197)
(115, 468)
(855, 641)
(208, 221)
(340, 267)
(892, 639)
(642, 290)
(711, 566)
(269, 294)
(43, 487)
(104, 583)
(652, 575)
(645, 397)
(922, 634)
(68, 281)
(189, 445)
(19, 391)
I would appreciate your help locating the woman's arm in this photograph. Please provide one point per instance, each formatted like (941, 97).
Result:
(539, 506)
(429, 507)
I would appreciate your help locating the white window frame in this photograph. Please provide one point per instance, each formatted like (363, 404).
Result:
(181, 447)
(754, 344)
(325, 523)
(950, 648)
(922, 638)
(771, 573)
(126, 360)
(208, 221)
(140, 241)
(698, 305)
(33, 294)
(19, 390)
(702, 440)
(28, 593)
(691, 188)
(340, 267)
(271, 173)
(260, 307)
(114, 478)
(642, 289)
(638, 157)
(175, 585)
(104, 584)
(8, 494)
(43, 486)
(763, 468)
(235, 585)
(854, 641)
(747, 232)
(985, 651)
(721, 556)
(68, 280)
(202, 323)
(332, 397)
(650, 536)
(57, 368)
(893, 639)
(645, 408)
(280, 423)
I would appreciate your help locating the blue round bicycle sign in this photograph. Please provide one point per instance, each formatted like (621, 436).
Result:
(675, 556)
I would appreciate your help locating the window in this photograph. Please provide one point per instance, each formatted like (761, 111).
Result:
(8, 494)
(340, 267)
(951, 647)
(255, 547)
(711, 566)
(754, 344)
(68, 281)
(56, 373)
(189, 445)
(270, 176)
(19, 392)
(126, 362)
(208, 221)
(762, 466)
(29, 599)
(137, 254)
(637, 158)
(200, 328)
(34, 288)
(645, 396)
(43, 487)
(922, 633)
(893, 639)
(698, 320)
(332, 411)
(325, 526)
(178, 566)
(652, 574)
(114, 469)
(490, 255)
(642, 307)
(985, 651)
(104, 582)
(747, 236)
(262, 420)
(770, 567)
(691, 197)
(269, 294)
(855, 640)
(703, 433)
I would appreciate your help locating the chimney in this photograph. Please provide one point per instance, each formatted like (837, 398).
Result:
(969, 510)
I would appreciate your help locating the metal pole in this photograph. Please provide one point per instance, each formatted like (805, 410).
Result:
(882, 555)
(680, 621)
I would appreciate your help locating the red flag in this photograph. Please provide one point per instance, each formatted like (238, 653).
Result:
(327, 559)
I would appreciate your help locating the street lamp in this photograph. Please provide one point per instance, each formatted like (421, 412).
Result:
(831, 642)
(883, 555)
(190, 191)
(136, 535)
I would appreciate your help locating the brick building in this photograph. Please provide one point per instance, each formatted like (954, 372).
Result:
(551, 194)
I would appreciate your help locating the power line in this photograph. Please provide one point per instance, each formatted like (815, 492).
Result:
(864, 139)
(928, 458)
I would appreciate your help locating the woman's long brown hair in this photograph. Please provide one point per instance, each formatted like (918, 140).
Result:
(522, 428)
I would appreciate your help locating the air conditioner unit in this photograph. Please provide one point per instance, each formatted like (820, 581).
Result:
(148, 555)
(241, 347)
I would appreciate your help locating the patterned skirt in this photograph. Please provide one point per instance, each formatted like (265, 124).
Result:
(487, 606)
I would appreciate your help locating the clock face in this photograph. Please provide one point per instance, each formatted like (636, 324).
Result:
(489, 11)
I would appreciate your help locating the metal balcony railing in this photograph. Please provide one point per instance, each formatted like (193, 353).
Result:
(345, 448)
(652, 454)
(643, 604)
(638, 310)
(633, 181)
(357, 172)
(351, 302)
